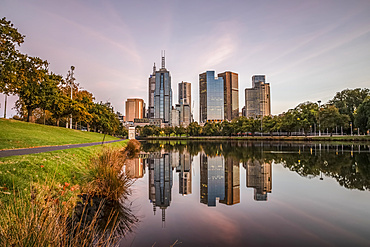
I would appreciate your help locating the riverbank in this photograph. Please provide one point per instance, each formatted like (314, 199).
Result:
(264, 138)
(16, 134)
(39, 194)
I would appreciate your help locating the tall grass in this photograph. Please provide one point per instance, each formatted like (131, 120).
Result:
(50, 216)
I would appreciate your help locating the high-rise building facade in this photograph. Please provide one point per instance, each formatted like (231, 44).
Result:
(211, 95)
(184, 105)
(151, 93)
(231, 94)
(134, 109)
(257, 98)
(163, 94)
(185, 93)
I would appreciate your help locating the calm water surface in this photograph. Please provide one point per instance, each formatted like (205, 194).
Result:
(250, 194)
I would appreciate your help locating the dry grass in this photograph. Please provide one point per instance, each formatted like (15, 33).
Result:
(46, 221)
(106, 173)
(53, 215)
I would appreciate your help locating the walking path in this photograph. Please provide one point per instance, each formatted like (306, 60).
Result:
(24, 151)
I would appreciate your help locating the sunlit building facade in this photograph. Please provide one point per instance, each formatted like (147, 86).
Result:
(257, 98)
(211, 95)
(134, 109)
(231, 94)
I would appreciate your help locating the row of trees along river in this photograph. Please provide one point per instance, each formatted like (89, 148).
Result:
(44, 96)
(347, 113)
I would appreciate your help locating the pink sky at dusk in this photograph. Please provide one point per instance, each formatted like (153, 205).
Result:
(308, 50)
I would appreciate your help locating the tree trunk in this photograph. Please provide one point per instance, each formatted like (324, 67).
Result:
(88, 127)
(58, 119)
(29, 114)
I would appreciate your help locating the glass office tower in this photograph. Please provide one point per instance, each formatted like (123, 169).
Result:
(211, 94)
(163, 94)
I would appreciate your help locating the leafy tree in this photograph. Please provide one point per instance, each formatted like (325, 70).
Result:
(227, 128)
(179, 130)
(362, 116)
(269, 124)
(330, 118)
(34, 83)
(211, 129)
(147, 130)
(288, 121)
(168, 130)
(306, 114)
(194, 129)
(10, 39)
(348, 100)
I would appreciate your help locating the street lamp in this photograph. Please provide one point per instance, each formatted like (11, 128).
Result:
(70, 81)
(319, 101)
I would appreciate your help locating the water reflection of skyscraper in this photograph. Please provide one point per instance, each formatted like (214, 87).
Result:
(160, 167)
(160, 181)
(220, 179)
(259, 177)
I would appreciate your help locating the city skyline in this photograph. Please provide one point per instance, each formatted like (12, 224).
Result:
(308, 50)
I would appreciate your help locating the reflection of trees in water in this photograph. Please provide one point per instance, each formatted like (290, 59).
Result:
(307, 160)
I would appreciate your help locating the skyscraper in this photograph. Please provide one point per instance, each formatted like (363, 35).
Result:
(151, 90)
(211, 94)
(185, 93)
(134, 109)
(257, 98)
(231, 95)
(184, 106)
(163, 94)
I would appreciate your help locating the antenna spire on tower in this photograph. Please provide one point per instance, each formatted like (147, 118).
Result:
(163, 59)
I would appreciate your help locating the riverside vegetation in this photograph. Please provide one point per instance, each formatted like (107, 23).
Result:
(65, 198)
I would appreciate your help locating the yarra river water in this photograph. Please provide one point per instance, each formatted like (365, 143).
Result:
(250, 194)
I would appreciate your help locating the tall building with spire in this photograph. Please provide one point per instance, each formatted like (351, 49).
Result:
(163, 93)
(151, 93)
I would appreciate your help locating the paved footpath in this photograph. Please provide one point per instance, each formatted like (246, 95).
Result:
(24, 151)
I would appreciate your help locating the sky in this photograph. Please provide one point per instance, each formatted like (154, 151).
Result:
(308, 50)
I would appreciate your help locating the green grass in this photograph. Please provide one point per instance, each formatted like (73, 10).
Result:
(17, 134)
(17, 173)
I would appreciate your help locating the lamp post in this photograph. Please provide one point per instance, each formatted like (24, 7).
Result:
(319, 101)
(70, 81)
(6, 96)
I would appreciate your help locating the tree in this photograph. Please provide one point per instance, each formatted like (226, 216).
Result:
(269, 124)
(288, 121)
(348, 100)
(330, 118)
(168, 131)
(147, 130)
(227, 128)
(10, 39)
(179, 130)
(194, 129)
(33, 84)
(306, 114)
(362, 115)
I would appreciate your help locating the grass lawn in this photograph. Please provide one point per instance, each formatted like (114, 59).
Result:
(17, 173)
(17, 134)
